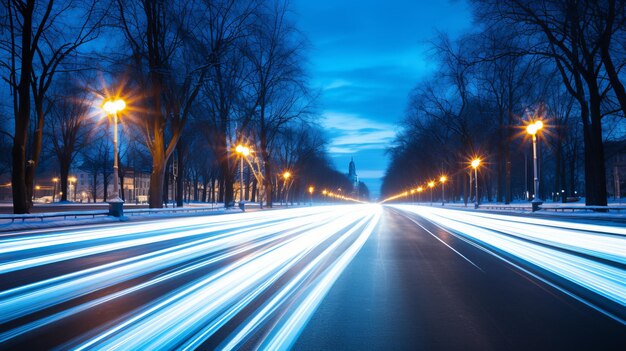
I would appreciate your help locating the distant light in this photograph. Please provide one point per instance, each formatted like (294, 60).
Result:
(475, 163)
(443, 179)
(431, 184)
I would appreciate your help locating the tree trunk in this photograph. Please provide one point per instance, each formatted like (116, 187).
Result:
(65, 171)
(595, 179)
(94, 189)
(157, 177)
(21, 202)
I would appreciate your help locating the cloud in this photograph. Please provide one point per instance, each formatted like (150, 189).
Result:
(351, 133)
(336, 84)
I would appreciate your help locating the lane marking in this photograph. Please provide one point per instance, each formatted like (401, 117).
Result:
(443, 242)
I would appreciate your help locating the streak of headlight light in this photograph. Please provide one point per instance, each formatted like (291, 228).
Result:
(73, 254)
(170, 321)
(58, 316)
(244, 331)
(605, 280)
(76, 236)
(615, 230)
(26, 299)
(605, 246)
(286, 333)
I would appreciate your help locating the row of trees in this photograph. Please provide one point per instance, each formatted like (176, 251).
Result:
(556, 60)
(198, 77)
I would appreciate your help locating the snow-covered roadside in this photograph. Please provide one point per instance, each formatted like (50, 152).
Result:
(50, 223)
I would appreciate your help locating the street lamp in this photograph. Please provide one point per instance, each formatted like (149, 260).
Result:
(243, 151)
(533, 129)
(431, 185)
(112, 107)
(311, 189)
(55, 180)
(442, 180)
(419, 193)
(37, 187)
(475, 163)
(286, 176)
(72, 187)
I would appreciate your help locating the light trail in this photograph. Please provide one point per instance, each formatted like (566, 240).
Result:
(231, 260)
(554, 246)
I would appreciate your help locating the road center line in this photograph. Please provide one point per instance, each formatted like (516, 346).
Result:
(443, 242)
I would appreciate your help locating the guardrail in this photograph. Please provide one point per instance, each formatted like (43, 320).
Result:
(94, 213)
(555, 208)
(43, 215)
(583, 208)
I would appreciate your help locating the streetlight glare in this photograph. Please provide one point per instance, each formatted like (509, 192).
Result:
(286, 175)
(443, 179)
(420, 189)
(539, 125)
(311, 189)
(475, 163)
(431, 184)
(244, 150)
(531, 129)
(114, 106)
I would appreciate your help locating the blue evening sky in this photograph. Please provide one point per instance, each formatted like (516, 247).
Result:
(365, 57)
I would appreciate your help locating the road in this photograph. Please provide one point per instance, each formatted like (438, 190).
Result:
(354, 277)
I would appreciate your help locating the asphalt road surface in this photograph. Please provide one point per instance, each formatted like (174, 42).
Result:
(354, 277)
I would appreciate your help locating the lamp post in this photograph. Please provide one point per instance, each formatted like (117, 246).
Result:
(116, 205)
(311, 189)
(55, 180)
(431, 185)
(475, 163)
(72, 187)
(419, 193)
(286, 176)
(37, 187)
(533, 129)
(443, 179)
(243, 151)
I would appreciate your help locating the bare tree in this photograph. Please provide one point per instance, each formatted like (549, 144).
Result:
(68, 131)
(40, 38)
(274, 52)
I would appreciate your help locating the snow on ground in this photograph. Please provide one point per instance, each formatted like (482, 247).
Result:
(56, 222)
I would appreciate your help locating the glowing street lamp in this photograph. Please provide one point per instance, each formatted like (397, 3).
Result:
(286, 176)
(243, 151)
(533, 129)
(37, 187)
(442, 180)
(112, 108)
(431, 185)
(72, 188)
(311, 189)
(419, 193)
(475, 163)
(55, 180)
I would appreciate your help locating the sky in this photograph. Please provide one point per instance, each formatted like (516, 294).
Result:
(365, 57)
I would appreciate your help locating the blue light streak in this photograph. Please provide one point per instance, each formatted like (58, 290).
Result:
(251, 252)
(555, 246)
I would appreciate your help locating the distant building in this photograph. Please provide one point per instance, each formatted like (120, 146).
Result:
(354, 178)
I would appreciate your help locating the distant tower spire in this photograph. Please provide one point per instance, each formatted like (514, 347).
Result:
(354, 178)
